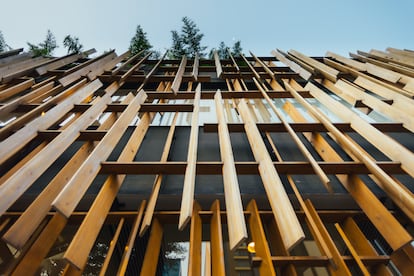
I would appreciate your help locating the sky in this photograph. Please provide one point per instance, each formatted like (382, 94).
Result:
(311, 27)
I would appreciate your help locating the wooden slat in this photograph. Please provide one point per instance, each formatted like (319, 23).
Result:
(131, 240)
(341, 268)
(126, 75)
(19, 182)
(65, 102)
(278, 199)
(207, 261)
(150, 262)
(194, 255)
(402, 197)
(327, 72)
(112, 246)
(217, 62)
(235, 218)
(57, 63)
(15, 89)
(259, 238)
(386, 224)
(126, 63)
(41, 247)
(158, 180)
(68, 199)
(360, 66)
(216, 236)
(351, 249)
(361, 244)
(294, 66)
(190, 173)
(179, 75)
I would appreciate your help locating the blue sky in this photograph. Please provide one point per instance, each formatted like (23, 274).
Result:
(312, 27)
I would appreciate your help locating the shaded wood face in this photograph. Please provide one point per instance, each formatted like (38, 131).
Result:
(122, 164)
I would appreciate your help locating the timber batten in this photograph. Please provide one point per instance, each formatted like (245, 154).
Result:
(115, 164)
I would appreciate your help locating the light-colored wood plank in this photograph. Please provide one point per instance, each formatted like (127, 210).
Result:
(149, 212)
(393, 232)
(131, 240)
(207, 261)
(19, 182)
(112, 246)
(16, 136)
(360, 66)
(234, 207)
(175, 87)
(41, 247)
(194, 255)
(286, 219)
(190, 173)
(401, 196)
(294, 66)
(196, 64)
(16, 89)
(351, 249)
(126, 63)
(135, 67)
(216, 236)
(325, 70)
(68, 199)
(150, 263)
(259, 238)
(217, 62)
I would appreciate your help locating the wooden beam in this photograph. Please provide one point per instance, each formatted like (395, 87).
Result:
(16, 89)
(217, 62)
(288, 223)
(235, 218)
(190, 172)
(150, 262)
(291, 64)
(258, 236)
(131, 240)
(402, 197)
(194, 255)
(216, 236)
(351, 249)
(111, 248)
(196, 64)
(175, 87)
(68, 199)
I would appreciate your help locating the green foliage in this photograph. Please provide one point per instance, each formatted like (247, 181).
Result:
(223, 50)
(44, 48)
(188, 42)
(73, 44)
(3, 45)
(139, 42)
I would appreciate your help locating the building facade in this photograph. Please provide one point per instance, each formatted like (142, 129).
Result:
(277, 165)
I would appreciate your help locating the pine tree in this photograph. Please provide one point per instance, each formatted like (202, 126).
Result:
(73, 44)
(44, 48)
(188, 42)
(237, 49)
(139, 42)
(3, 44)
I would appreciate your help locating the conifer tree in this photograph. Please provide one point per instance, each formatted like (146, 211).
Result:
(3, 44)
(44, 48)
(73, 44)
(139, 42)
(188, 42)
(237, 49)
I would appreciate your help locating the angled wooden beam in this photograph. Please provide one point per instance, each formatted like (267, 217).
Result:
(175, 87)
(401, 196)
(19, 182)
(149, 212)
(131, 240)
(217, 250)
(68, 199)
(196, 64)
(303, 72)
(150, 262)
(392, 231)
(194, 255)
(351, 249)
(217, 62)
(16, 136)
(112, 246)
(57, 63)
(258, 236)
(126, 63)
(360, 66)
(320, 173)
(190, 173)
(133, 68)
(15, 89)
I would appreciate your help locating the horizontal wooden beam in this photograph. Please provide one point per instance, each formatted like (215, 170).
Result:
(213, 168)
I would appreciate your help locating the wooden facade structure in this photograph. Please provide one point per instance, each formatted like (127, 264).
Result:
(126, 165)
